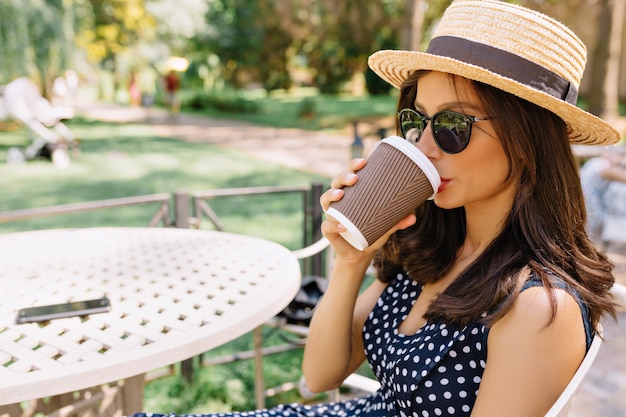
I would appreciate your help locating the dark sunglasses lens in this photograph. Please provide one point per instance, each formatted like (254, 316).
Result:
(411, 126)
(451, 131)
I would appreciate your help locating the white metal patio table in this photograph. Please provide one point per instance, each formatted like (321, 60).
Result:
(175, 293)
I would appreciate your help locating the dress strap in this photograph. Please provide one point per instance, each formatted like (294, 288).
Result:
(558, 282)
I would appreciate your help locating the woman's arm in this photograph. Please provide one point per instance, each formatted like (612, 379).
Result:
(334, 347)
(530, 359)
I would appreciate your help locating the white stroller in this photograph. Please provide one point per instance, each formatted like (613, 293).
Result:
(52, 139)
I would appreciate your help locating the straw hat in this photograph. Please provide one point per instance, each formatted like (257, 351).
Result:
(515, 49)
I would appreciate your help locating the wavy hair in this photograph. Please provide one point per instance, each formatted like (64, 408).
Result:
(544, 233)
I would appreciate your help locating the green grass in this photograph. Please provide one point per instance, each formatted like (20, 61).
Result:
(226, 387)
(130, 160)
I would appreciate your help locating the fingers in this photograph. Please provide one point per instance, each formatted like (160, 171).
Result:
(330, 196)
(344, 179)
(347, 178)
(331, 229)
(357, 164)
(331, 226)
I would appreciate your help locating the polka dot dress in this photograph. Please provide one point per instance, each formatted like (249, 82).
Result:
(434, 372)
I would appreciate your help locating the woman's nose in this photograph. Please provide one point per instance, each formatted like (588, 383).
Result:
(427, 143)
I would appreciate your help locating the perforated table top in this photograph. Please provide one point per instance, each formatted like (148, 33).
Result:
(175, 293)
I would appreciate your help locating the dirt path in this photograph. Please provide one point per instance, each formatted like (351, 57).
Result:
(318, 152)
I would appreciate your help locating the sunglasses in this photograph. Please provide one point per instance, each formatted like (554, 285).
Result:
(451, 130)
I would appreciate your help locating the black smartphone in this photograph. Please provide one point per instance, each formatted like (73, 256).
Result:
(58, 311)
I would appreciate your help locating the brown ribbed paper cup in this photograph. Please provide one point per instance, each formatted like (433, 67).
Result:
(396, 180)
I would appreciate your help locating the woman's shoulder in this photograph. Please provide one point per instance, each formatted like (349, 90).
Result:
(543, 310)
(540, 304)
(536, 343)
(542, 320)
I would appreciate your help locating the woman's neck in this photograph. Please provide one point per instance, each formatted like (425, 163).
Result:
(484, 221)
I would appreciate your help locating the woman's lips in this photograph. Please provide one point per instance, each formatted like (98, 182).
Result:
(443, 185)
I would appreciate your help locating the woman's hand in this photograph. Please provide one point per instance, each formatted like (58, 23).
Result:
(331, 228)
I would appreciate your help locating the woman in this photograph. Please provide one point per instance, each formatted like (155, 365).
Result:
(488, 296)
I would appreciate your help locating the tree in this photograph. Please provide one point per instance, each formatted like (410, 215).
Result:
(115, 26)
(604, 99)
(413, 27)
(36, 40)
(178, 21)
(50, 45)
(601, 27)
(235, 35)
(259, 40)
(110, 28)
(14, 41)
(274, 53)
(342, 34)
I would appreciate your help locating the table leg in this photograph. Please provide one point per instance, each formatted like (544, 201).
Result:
(259, 383)
(132, 394)
(10, 410)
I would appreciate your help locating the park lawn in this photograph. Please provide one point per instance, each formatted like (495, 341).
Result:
(124, 160)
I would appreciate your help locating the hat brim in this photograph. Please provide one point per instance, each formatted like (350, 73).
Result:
(584, 128)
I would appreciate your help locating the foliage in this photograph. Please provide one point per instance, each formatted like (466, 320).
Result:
(339, 49)
(274, 51)
(178, 21)
(40, 39)
(260, 41)
(251, 41)
(275, 44)
(38, 43)
(14, 41)
(341, 34)
(373, 83)
(116, 25)
(227, 101)
(228, 387)
(308, 108)
(50, 44)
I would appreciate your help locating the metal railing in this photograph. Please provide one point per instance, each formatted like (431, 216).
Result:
(161, 216)
(311, 209)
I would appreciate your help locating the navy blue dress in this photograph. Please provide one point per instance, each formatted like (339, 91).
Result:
(434, 372)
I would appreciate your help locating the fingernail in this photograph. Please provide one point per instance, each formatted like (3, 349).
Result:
(341, 227)
(336, 193)
(350, 176)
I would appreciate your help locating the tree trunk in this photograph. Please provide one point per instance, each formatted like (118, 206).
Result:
(611, 82)
(597, 92)
(413, 25)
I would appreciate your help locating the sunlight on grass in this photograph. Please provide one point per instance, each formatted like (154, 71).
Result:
(129, 160)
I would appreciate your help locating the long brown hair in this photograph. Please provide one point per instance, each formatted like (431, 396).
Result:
(544, 232)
